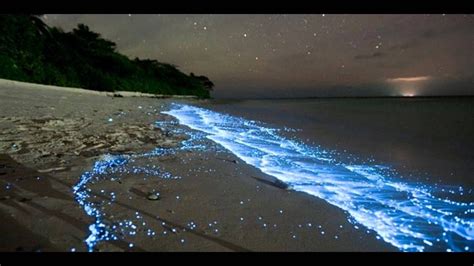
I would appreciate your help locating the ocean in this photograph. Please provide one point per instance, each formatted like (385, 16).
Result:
(400, 167)
(426, 139)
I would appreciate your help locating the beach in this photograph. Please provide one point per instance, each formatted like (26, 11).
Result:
(209, 199)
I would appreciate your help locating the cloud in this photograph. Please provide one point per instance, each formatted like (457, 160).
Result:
(409, 79)
(369, 56)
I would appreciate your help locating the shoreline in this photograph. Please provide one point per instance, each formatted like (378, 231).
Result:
(64, 134)
(27, 85)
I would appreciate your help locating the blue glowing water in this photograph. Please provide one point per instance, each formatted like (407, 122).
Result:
(111, 165)
(410, 216)
(99, 230)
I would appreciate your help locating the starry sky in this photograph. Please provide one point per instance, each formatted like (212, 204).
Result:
(260, 56)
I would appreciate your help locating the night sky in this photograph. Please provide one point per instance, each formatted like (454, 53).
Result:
(302, 55)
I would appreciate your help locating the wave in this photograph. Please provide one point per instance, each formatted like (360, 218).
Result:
(410, 216)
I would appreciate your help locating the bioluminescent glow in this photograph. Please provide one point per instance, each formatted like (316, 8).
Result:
(98, 230)
(109, 167)
(410, 216)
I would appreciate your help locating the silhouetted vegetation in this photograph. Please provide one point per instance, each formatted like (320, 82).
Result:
(32, 51)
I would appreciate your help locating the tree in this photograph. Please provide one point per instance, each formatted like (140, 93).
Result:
(209, 85)
(92, 40)
(32, 51)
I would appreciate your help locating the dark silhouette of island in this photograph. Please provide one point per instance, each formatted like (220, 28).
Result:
(31, 51)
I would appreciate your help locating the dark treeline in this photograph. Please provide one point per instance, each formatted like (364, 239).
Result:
(32, 51)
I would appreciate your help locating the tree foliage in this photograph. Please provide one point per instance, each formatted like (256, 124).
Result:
(34, 52)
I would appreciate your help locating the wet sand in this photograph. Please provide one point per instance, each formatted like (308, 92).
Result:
(50, 137)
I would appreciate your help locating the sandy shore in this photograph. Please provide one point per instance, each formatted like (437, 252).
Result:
(50, 136)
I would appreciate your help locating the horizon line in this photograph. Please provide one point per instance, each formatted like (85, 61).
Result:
(336, 97)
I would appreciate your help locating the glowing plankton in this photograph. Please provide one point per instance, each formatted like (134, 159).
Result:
(374, 196)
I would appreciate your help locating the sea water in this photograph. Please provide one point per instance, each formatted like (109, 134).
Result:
(352, 154)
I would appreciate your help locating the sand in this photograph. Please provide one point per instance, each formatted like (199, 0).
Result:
(49, 136)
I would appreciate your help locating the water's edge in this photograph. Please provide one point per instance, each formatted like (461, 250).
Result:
(411, 217)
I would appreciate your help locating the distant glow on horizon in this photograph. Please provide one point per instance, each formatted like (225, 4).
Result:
(409, 93)
(410, 216)
(409, 79)
(409, 86)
